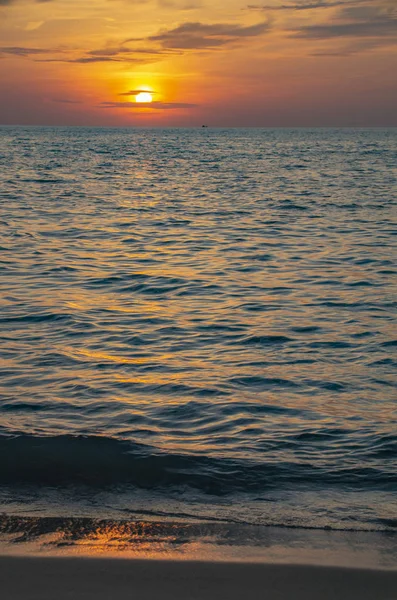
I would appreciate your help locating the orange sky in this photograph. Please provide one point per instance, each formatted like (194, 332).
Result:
(219, 62)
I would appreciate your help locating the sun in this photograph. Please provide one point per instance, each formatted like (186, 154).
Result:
(144, 97)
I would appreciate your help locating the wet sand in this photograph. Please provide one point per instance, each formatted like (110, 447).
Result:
(28, 578)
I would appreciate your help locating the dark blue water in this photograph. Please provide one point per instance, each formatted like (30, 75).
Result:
(199, 323)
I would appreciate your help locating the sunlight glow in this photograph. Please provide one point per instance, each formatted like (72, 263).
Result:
(144, 97)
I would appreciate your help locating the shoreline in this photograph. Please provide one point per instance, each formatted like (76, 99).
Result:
(134, 539)
(34, 578)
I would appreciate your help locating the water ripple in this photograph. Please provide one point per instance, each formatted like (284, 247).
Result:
(213, 312)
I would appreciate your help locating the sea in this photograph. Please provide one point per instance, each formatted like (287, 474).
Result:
(198, 338)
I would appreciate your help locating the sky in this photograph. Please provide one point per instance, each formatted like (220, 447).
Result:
(226, 63)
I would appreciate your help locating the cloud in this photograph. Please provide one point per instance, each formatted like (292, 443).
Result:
(123, 51)
(365, 29)
(108, 55)
(349, 19)
(104, 55)
(356, 26)
(86, 60)
(366, 12)
(352, 24)
(120, 54)
(9, 2)
(361, 24)
(151, 105)
(192, 36)
(21, 50)
(171, 4)
(136, 92)
(304, 6)
(316, 4)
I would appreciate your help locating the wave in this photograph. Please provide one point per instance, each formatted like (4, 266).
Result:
(100, 461)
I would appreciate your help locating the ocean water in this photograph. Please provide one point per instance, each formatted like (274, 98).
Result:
(198, 326)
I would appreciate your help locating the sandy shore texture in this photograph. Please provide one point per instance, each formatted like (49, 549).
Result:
(105, 579)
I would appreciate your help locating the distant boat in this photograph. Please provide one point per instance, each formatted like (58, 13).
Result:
(204, 125)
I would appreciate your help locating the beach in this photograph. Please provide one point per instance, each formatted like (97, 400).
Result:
(102, 579)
